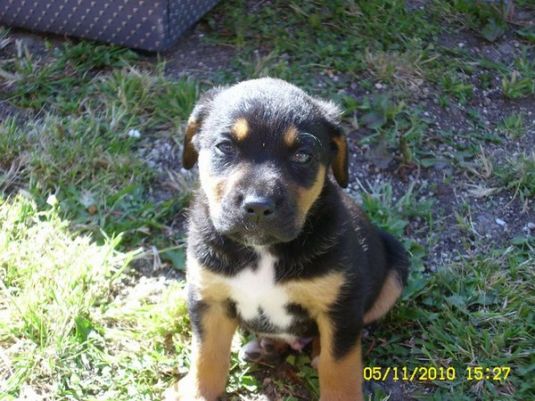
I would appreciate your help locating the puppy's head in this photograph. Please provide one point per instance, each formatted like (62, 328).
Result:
(264, 148)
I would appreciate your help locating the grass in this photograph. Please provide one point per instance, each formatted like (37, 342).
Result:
(91, 196)
(80, 148)
(520, 82)
(487, 19)
(68, 329)
(312, 35)
(518, 174)
(69, 321)
(513, 125)
(394, 215)
(477, 312)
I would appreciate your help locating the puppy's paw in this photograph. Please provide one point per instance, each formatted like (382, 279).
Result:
(266, 350)
(184, 390)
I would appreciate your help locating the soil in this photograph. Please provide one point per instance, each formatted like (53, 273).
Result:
(7, 110)
(191, 56)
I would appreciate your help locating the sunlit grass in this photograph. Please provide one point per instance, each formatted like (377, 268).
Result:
(69, 327)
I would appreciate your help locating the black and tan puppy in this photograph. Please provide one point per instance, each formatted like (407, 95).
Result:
(274, 244)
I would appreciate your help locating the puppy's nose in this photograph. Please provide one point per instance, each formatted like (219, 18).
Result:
(258, 207)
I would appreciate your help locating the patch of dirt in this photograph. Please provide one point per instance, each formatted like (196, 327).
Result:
(496, 218)
(191, 56)
(7, 110)
(39, 45)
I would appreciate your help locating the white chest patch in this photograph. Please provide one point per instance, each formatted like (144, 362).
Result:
(255, 290)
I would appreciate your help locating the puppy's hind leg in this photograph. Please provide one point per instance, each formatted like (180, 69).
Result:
(397, 260)
(386, 299)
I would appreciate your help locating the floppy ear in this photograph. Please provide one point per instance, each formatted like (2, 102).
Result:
(339, 165)
(195, 121)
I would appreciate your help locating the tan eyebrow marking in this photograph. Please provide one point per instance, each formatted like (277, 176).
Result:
(290, 136)
(240, 129)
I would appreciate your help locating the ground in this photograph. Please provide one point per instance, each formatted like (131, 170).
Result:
(439, 109)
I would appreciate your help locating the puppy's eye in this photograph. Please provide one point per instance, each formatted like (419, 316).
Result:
(301, 157)
(225, 147)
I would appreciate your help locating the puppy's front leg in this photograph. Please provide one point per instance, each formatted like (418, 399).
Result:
(340, 373)
(212, 336)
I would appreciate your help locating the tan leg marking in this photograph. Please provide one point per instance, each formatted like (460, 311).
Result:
(240, 129)
(387, 297)
(210, 357)
(316, 351)
(340, 379)
(307, 196)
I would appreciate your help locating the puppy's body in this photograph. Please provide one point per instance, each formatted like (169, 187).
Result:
(275, 245)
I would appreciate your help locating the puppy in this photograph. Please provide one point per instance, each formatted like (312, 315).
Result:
(274, 245)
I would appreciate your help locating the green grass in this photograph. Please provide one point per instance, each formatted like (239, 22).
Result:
(513, 125)
(477, 312)
(82, 202)
(488, 19)
(518, 174)
(453, 85)
(520, 82)
(395, 127)
(68, 319)
(69, 329)
(394, 215)
(298, 40)
(80, 148)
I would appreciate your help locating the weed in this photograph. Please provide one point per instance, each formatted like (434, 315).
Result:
(379, 111)
(513, 125)
(392, 214)
(303, 39)
(515, 86)
(394, 126)
(520, 82)
(518, 174)
(487, 18)
(454, 86)
(405, 69)
(527, 33)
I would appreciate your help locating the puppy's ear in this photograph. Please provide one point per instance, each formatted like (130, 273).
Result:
(195, 121)
(339, 165)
